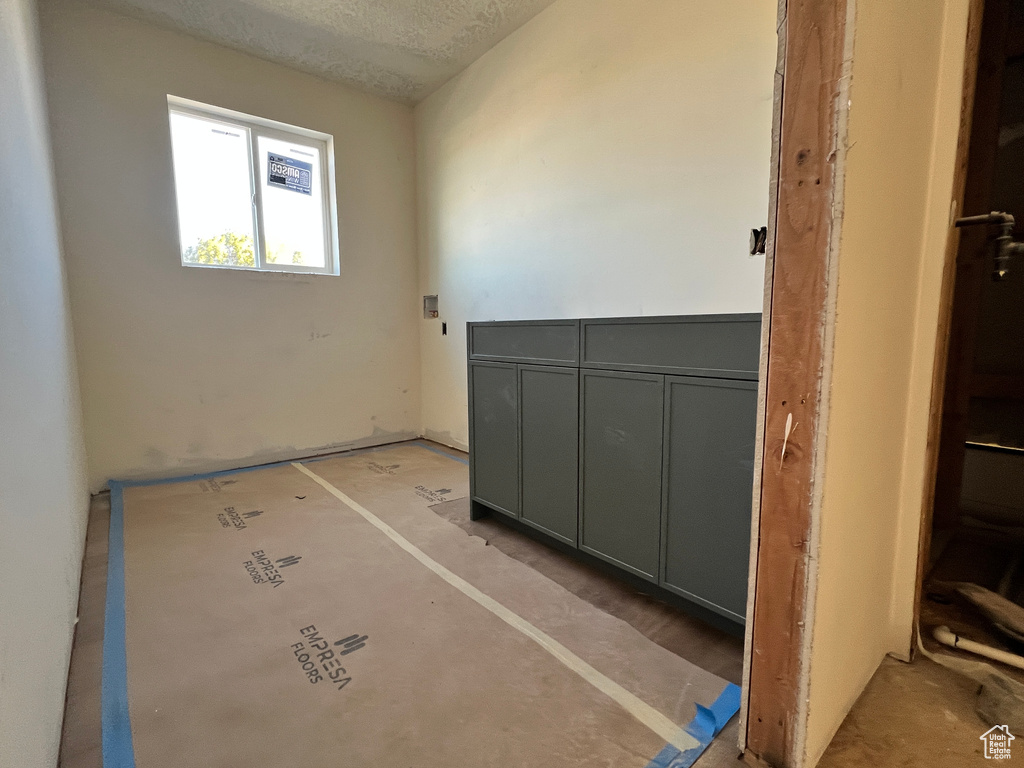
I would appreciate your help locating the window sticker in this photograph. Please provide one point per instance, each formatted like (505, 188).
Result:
(288, 173)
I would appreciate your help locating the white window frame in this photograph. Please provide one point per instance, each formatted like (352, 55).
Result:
(253, 128)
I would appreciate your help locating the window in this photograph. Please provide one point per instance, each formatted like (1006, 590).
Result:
(252, 193)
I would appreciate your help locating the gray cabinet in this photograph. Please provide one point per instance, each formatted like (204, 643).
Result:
(494, 414)
(551, 342)
(620, 470)
(709, 477)
(720, 346)
(549, 443)
(629, 438)
(524, 391)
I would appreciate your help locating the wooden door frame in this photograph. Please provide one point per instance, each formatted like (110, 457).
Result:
(805, 193)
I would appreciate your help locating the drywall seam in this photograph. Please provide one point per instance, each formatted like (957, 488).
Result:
(840, 131)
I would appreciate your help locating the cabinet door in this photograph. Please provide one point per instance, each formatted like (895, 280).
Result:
(549, 439)
(494, 436)
(709, 472)
(620, 470)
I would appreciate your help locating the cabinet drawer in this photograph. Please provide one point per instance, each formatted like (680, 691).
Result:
(722, 346)
(552, 342)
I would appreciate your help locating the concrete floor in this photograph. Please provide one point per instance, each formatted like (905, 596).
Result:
(80, 742)
(669, 627)
(694, 640)
(918, 714)
(922, 714)
(912, 715)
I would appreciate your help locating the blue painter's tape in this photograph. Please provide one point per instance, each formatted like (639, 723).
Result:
(118, 751)
(706, 724)
(190, 478)
(439, 452)
(118, 748)
(312, 460)
(353, 452)
(242, 470)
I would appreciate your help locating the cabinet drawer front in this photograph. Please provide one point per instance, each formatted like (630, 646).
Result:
(494, 435)
(723, 346)
(621, 452)
(709, 474)
(555, 342)
(549, 449)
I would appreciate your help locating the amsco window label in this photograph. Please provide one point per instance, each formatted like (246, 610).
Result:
(288, 173)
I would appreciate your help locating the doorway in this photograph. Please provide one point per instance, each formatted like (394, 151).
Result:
(974, 568)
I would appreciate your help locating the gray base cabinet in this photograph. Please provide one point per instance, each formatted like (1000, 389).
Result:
(709, 478)
(620, 482)
(629, 438)
(549, 445)
(494, 398)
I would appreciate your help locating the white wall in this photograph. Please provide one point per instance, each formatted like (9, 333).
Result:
(608, 158)
(186, 369)
(903, 116)
(43, 498)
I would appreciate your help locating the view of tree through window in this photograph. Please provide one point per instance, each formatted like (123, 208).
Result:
(235, 250)
(229, 250)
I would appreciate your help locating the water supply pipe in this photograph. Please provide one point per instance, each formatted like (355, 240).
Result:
(946, 637)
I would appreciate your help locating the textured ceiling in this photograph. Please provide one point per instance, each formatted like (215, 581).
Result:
(400, 49)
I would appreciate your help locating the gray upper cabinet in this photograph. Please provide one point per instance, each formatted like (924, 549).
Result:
(709, 479)
(494, 434)
(631, 439)
(620, 471)
(549, 444)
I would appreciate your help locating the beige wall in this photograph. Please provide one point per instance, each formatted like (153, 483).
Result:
(186, 369)
(43, 498)
(903, 112)
(608, 158)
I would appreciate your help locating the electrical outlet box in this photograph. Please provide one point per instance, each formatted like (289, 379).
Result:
(430, 307)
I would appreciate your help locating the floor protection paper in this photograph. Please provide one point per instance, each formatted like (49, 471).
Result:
(320, 613)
